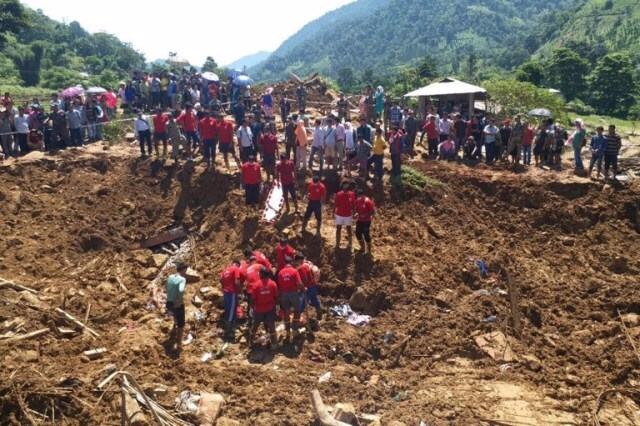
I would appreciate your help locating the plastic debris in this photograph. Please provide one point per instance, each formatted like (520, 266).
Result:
(482, 267)
(206, 356)
(490, 319)
(481, 292)
(388, 337)
(188, 340)
(325, 377)
(358, 320)
(341, 310)
(187, 402)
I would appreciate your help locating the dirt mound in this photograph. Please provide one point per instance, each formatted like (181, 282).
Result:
(71, 227)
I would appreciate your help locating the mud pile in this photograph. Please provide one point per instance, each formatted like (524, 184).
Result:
(71, 230)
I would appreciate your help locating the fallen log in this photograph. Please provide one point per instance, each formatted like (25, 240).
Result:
(131, 411)
(322, 414)
(164, 237)
(26, 336)
(73, 319)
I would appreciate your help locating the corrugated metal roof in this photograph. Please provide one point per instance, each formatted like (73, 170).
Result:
(448, 86)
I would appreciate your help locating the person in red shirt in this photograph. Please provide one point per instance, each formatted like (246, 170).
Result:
(188, 122)
(365, 209)
(344, 204)
(433, 136)
(224, 134)
(290, 287)
(160, 120)
(308, 271)
(251, 179)
(208, 130)
(268, 144)
(316, 193)
(230, 280)
(286, 175)
(260, 257)
(264, 295)
(283, 250)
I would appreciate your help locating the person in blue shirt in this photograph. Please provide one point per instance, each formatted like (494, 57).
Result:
(175, 286)
(598, 148)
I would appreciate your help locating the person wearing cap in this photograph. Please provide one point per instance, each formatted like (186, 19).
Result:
(344, 205)
(316, 193)
(264, 296)
(286, 175)
(175, 287)
(251, 179)
(365, 210)
(283, 250)
(309, 274)
(290, 288)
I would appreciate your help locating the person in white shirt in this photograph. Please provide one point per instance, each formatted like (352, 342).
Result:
(330, 143)
(245, 140)
(21, 122)
(444, 127)
(349, 146)
(490, 135)
(142, 129)
(195, 94)
(341, 135)
(317, 145)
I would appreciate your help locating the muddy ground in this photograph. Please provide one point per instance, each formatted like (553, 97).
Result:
(71, 227)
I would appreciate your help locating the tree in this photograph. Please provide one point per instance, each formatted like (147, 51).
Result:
(28, 61)
(531, 71)
(566, 71)
(427, 68)
(346, 79)
(367, 76)
(612, 85)
(12, 18)
(210, 65)
(517, 97)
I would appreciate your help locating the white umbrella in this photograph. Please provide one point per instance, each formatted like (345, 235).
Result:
(210, 76)
(96, 90)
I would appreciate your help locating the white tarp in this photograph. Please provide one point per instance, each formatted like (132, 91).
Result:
(448, 86)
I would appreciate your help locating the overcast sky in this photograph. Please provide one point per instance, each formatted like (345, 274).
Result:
(225, 30)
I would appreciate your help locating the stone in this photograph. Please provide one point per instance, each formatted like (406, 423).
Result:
(532, 362)
(159, 259)
(142, 257)
(631, 320)
(374, 379)
(225, 421)
(572, 380)
(345, 413)
(209, 408)
(148, 273)
(28, 356)
(192, 276)
(369, 419)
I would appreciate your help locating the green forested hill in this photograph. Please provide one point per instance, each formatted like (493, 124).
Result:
(38, 51)
(382, 35)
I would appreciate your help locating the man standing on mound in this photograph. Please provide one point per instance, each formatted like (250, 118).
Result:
(316, 194)
(176, 285)
(344, 205)
(365, 209)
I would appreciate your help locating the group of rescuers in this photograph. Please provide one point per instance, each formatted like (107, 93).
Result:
(292, 284)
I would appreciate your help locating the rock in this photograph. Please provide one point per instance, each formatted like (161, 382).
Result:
(496, 345)
(192, 276)
(225, 421)
(27, 356)
(368, 303)
(374, 379)
(445, 298)
(209, 408)
(159, 259)
(148, 273)
(532, 362)
(573, 380)
(631, 320)
(196, 301)
(369, 420)
(143, 257)
(345, 413)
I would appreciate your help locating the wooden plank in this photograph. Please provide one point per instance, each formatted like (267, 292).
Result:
(73, 319)
(30, 335)
(10, 284)
(164, 237)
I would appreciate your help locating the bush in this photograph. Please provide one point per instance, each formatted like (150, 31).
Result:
(580, 107)
(417, 180)
(511, 97)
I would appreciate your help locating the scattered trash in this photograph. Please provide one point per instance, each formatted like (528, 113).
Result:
(401, 396)
(95, 353)
(188, 340)
(187, 402)
(490, 319)
(504, 367)
(325, 377)
(197, 302)
(482, 267)
(388, 337)
(222, 349)
(501, 292)
(341, 310)
(481, 292)
(206, 356)
(199, 316)
(358, 320)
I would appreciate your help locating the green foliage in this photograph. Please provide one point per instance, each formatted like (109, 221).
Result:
(56, 78)
(580, 107)
(566, 71)
(347, 80)
(532, 72)
(418, 181)
(612, 86)
(517, 97)
(8, 71)
(107, 79)
(12, 18)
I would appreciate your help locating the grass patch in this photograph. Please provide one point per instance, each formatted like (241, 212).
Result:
(623, 127)
(417, 180)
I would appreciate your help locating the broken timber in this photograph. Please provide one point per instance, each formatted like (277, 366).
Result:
(164, 237)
